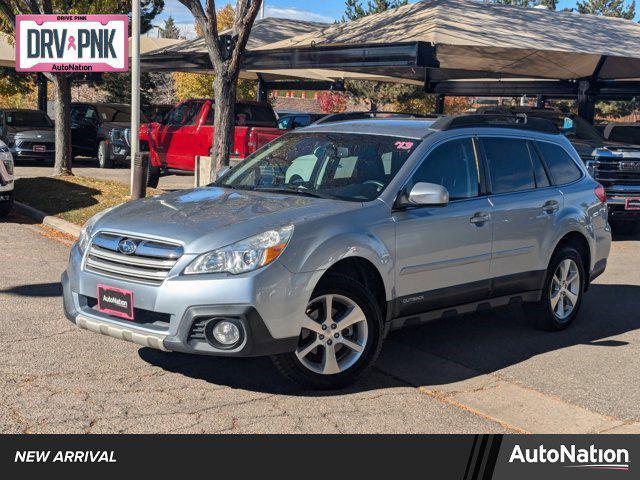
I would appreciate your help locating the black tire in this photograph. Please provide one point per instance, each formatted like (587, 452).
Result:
(153, 176)
(542, 312)
(341, 285)
(7, 206)
(625, 228)
(104, 160)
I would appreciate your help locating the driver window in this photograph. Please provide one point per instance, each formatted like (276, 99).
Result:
(454, 166)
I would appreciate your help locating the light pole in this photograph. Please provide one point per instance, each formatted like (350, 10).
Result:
(135, 83)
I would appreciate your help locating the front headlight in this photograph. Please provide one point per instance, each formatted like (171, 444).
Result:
(87, 228)
(245, 255)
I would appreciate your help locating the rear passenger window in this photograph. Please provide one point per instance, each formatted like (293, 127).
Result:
(542, 180)
(452, 165)
(562, 167)
(510, 166)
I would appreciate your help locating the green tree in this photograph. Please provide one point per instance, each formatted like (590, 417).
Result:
(62, 81)
(550, 4)
(608, 8)
(170, 29)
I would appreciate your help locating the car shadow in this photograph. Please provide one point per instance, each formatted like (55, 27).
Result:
(478, 343)
(53, 289)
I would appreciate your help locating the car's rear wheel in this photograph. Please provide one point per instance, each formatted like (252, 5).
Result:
(104, 160)
(153, 176)
(562, 291)
(341, 336)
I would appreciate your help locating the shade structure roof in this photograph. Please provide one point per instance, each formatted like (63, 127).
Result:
(493, 40)
(192, 55)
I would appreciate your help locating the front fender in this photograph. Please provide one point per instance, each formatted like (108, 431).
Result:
(317, 253)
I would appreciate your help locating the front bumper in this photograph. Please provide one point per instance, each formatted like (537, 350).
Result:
(30, 154)
(119, 151)
(617, 197)
(268, 305)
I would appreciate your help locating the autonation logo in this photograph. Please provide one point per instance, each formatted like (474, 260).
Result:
(589, 458)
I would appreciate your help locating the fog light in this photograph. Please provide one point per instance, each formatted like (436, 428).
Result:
(226, 333)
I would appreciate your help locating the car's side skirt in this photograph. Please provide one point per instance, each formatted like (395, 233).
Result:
(488, 304)
(468, 294)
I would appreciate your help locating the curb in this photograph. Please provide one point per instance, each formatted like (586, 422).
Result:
(51, 221)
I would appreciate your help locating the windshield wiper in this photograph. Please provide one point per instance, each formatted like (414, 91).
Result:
(293, 190)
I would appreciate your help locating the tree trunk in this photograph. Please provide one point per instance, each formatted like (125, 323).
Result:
(224, 91)
(62, 91)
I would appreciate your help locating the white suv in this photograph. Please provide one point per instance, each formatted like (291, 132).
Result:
(6, 179)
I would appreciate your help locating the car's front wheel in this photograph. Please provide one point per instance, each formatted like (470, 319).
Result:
(104, 160)
(341, 336)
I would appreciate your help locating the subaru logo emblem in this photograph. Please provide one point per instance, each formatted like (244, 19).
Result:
(128, 247)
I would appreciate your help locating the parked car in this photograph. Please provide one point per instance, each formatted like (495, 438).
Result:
(28, 133)
(616, 165)
(313, 247)
(6, 180)
(345, 116)
(187, 132)
(101, 130)
(623, 132)
(298, 120)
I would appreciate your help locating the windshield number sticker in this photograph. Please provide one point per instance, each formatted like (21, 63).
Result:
(404, 145)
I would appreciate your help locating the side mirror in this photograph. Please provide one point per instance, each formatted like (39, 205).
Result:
(221, 172)
(425, 194)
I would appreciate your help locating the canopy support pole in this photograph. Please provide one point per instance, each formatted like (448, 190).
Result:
(439, 107)
(263, 93)
(135, 92)
(586, 100)
(42, 92)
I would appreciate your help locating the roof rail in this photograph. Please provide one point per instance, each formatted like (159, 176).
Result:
(518, 121)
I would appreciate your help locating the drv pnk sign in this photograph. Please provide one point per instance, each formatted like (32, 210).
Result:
(72, 43)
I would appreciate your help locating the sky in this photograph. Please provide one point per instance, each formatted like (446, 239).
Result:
(310, 10)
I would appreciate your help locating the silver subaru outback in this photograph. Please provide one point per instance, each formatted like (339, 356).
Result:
(317, 245)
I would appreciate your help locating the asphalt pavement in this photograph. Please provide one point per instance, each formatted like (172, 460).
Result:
(490, 372)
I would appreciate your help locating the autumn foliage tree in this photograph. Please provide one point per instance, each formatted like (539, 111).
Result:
(332, 102)
(225, 54)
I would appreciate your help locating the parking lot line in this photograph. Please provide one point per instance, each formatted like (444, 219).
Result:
(511, 405)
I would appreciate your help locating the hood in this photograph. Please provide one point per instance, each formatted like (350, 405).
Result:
(31, 131)
(111, 125)
(210, 217)
(586, 148)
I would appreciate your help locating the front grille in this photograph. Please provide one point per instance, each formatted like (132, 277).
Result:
(150, 263)
(29, 144)
(611, 172)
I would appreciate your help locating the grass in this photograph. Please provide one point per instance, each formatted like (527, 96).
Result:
(75, 199)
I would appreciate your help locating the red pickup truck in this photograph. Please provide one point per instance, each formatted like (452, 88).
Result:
(187, 130)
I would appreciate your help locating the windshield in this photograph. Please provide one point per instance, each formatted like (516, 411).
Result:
(574, 127)
(27, 118)
(353, 167)
(117, 113)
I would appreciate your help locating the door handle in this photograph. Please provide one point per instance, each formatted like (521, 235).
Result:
(480, 218)
(552, 206)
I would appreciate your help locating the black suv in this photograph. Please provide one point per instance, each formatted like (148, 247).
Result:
(614, 164)
(28, 134)
(101, 130)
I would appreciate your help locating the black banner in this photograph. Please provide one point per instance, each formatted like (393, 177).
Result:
(442, 457)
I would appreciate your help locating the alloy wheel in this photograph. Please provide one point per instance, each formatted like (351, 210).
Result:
(334, 335)
(565, 289)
